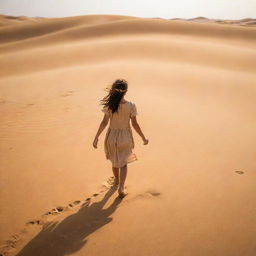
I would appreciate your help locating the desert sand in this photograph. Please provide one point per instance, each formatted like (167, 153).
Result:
(192, 189)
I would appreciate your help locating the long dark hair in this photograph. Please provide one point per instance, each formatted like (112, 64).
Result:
(116, 92)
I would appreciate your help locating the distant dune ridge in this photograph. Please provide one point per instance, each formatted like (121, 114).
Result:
(6, 20)
(241, 22)
(191, 192)
(9, 20)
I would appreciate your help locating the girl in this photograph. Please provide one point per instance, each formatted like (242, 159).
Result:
(119, 140)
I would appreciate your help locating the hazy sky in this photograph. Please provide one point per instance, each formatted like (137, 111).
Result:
(222, 9)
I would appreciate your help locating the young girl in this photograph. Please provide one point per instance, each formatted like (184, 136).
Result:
(119, 140)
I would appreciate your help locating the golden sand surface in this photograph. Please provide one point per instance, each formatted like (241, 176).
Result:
(192, 189)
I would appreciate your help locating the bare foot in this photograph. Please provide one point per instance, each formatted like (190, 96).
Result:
(121, 192)
(122, 195)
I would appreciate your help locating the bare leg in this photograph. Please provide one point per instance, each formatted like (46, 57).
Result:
(116, 174)
(123, 174)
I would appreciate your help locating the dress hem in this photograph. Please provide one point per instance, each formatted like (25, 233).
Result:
(124, 164)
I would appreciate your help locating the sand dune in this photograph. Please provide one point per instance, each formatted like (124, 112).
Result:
(7, 20)
(243, 22)
(191, 192)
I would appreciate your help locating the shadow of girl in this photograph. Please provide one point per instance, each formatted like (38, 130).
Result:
(68, 236)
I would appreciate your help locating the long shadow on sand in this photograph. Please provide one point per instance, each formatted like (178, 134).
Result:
(69, 235)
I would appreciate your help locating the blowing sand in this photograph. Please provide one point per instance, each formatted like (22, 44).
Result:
(192, 190)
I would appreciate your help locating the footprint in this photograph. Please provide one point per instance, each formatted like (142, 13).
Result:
(239, 172)
(74, 203)
(33, 222)
(153, 192)
(67, 94)
(150, 193)
(111, 179)
(60, 208)
(30, 104)
(48, 213)
(54, 211)
(107, 184)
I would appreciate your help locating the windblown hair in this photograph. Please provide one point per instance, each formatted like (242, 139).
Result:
(116, 92)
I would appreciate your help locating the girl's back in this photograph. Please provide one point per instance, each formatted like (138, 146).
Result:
(121, 118)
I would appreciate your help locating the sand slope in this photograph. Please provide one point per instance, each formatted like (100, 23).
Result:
(191, 192)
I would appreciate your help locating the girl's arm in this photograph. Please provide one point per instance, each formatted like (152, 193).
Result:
(102, 126)
(137, 128)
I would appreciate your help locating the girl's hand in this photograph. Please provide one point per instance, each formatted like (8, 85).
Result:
(145, 141)
(95, 142)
